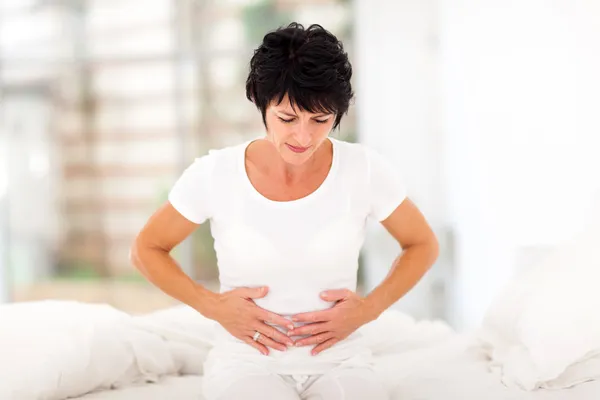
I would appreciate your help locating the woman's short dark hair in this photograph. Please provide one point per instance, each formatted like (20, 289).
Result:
(309, 65)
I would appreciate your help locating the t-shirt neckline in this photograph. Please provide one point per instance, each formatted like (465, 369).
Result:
(287, 203)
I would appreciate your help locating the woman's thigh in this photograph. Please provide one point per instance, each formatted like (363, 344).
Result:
(246, 382)
(347, 384)
(258, 387)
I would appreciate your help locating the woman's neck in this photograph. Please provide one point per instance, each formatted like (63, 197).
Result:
(271, 163)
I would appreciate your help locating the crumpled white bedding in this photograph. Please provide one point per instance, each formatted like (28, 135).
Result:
(543, 328)
(452, 369)
(180, 387)
(458, 369)
(56, 349)
(53, 350)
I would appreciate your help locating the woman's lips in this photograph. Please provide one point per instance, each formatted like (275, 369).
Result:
(297, 149)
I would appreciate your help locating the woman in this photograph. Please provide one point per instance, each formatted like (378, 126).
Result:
(288, 214)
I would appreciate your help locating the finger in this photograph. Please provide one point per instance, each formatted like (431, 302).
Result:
(273, 333)
(316, 316)
(276, 319)
(336, 294)
(315, 339)
(324, 346)
(310, 329)
(256, 345)
(267, 341)
(252, 293)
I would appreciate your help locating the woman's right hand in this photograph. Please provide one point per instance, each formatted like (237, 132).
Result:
(236, 311)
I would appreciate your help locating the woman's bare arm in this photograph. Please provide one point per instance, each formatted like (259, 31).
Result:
(150, 254)
(420, 249)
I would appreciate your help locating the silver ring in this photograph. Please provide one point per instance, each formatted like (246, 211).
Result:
(256, 336)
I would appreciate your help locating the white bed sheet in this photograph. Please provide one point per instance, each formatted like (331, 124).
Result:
(456, 370)
(453, 370)
(186, 387)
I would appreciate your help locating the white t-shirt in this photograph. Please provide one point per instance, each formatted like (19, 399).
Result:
(297, 248)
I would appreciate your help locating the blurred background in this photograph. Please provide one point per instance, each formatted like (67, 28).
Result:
(489, 108)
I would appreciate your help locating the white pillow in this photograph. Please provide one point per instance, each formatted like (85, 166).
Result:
(543, 330)
(58, 349)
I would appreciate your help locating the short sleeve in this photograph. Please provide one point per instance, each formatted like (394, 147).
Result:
(191, 194)
(386, 186)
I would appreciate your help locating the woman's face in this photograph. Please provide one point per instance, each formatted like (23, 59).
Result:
(296, 134)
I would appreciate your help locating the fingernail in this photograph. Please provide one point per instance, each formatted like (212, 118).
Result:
(294, 319)
(290, 326)
(289, 333)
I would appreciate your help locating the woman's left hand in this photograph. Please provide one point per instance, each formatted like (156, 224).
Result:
(330, 326)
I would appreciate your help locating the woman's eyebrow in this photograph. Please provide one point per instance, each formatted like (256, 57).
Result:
(287, 113)
(294, 115)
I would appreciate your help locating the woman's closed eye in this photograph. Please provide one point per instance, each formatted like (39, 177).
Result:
(288, 121)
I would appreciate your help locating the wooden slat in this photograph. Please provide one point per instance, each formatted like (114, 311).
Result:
(104, 171)
(118, 136)
(109, 205)
(149, 187)
(131, 297)
(75, 105)
(92, 239)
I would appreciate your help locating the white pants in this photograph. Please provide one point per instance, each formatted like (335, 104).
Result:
(254, 382)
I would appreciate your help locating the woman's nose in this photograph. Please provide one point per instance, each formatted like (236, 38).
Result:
(303, 135)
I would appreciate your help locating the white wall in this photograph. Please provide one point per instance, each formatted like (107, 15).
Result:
(519, 90)
(517, 120)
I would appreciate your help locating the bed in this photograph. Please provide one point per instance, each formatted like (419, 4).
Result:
(539, 340)
(95, 352)
(452, 371)
(188, 387)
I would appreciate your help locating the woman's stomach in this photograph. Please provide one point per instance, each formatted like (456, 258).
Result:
(294, 296)
(288, 302)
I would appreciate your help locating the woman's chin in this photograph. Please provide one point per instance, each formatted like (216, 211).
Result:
(296, 158)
